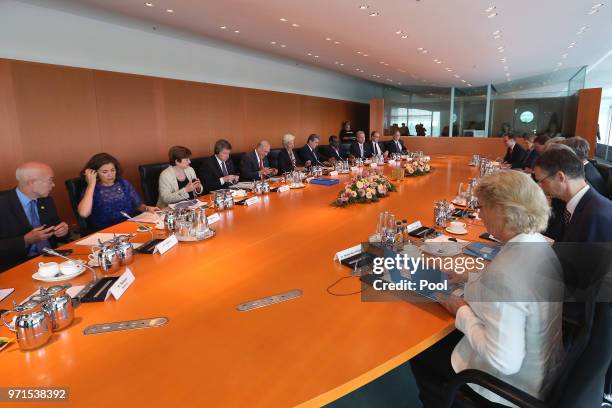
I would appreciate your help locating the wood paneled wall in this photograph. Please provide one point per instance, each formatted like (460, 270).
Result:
(62, 116)
(588, 115)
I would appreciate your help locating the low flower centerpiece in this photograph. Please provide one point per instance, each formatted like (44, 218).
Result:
(417, 167)
(367, 188)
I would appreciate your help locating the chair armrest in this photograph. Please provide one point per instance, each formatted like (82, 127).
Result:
(493, 384)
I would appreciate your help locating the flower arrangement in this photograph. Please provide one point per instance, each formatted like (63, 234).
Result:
(417, 167)
(364, 189)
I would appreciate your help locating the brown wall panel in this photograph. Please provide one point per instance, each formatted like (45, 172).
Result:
(62, 116)
(588, 114)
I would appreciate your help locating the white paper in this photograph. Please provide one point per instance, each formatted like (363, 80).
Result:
(146, 218)
(346, 253)
(373, 165)
(282, 189)
(252, 200)
(413, 226)
(187, 204)
(4, 293)
(333, 173)
(245, 185)
(93, 239)
(120, 286)
(74, 290)
(443, 238)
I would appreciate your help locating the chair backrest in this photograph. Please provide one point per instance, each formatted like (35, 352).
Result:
(606, 172)
(75, 187)
(149, 181)
(236, 158)
(345, 149)
(273, 157)
(196, 163)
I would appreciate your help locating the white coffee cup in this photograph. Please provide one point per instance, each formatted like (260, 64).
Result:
(48, 269)
(69, 267)
(457, 226)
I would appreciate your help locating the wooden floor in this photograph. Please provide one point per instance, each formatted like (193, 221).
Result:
(308, 351)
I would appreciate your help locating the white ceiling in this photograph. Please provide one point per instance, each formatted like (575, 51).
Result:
(535, 34)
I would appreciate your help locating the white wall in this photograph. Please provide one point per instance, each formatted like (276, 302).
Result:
(68, 33)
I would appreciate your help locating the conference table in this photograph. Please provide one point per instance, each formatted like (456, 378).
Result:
(306, 351)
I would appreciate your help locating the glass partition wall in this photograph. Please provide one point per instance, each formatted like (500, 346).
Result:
(538, 104)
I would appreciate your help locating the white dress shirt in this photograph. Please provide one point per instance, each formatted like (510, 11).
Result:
(573, 202)
(360, 149)
(376, 148)
(221, 164)
(512, 326)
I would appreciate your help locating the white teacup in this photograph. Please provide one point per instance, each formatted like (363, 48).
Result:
(69, 267)
(457, 226)
(48, 269)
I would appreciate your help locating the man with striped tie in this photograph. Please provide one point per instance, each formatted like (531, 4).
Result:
(28, 218)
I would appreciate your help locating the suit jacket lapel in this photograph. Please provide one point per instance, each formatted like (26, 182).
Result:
(17, 209)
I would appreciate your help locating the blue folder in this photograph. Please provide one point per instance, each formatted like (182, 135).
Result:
(325, 181)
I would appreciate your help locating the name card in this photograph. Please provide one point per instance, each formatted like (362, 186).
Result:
(347, 253)
(413, 226)
(213, 218)
(166, 244)
(354, 168)
(251, 201)
(121, 284)
(309, 179)
(282, 189)
(391, 161)
(333, 173)
(373, 165)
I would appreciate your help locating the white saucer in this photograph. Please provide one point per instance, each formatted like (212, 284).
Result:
(461, 232)
(59, 277)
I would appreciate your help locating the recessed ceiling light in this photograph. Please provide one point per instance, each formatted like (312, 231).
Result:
(456, 76)
(492, 15)
(327, 39)
(497, 32)
(364, 7)
(464, 81)
(295, 25)
(505, 68)
(365, 55)
(149, 4)
(399, 83)
(424, 52)
(582, 29)
(283, 45)
(223, 27)
(404, 36)
(489, 9)
(309, 54)
(358, 52)
(341, 64)
(469, 84)
(502, 50)
(356, 69)
(336, 62)
(237, 31)
(501, 47)
(420, 48)
(503, 59)
(398, 32)
(448, 69)
(381, 62)
(316, 56)
(386, 65)
(436, 60)
(283, 19)
(336, 42)
(497, 37)
(169, 11)
(374, 14)
(590, 13)
(507, 74)
(273, 42)
(559, 64)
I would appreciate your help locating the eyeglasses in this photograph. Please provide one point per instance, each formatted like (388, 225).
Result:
(547, 177)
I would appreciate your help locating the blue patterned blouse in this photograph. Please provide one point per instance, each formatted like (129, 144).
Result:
(109, 201)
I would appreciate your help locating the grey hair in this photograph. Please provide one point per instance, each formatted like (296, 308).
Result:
(288, 138)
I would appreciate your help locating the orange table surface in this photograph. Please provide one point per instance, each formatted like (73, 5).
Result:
(307, 351)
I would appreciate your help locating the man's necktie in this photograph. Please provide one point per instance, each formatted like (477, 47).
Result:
(224, 169)
(261, 166)
(567, 216)
(35, 220)
(399, 148)
(375, 148)
(360, 150)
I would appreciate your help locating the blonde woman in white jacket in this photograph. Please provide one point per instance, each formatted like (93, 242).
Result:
(178, 182)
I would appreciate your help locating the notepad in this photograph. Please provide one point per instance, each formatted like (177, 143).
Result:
(145, 218)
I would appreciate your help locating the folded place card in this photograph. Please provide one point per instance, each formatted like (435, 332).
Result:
(391, 161)
(5, 292)
(213, 218)
(308, 179)
(166, 244)
(373, 165)
(415, 225)
(354, 168)
(346, 253)
(333, 173)
(251, 201)
(282, 189)
(121, 284)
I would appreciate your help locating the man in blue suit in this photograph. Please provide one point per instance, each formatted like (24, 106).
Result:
(308, 154)
(255, 165)
(587, 215)
(515, 153)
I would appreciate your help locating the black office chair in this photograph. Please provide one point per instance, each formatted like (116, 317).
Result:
(345, 149)
(273, 157)
(149, 181)
(236, 158)
(196, 163)
(75, 187)
(606, 172)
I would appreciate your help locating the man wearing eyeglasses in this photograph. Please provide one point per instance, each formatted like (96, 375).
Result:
(587, 216)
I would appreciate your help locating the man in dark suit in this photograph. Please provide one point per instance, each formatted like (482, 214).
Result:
(359, 148)
(255, 165)
(515, 153)
(308, 154)
(28, 217)
(587, 215)
(581, 147)
(396, 145)
(217, 171)
(376, 148)
(332, 152)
